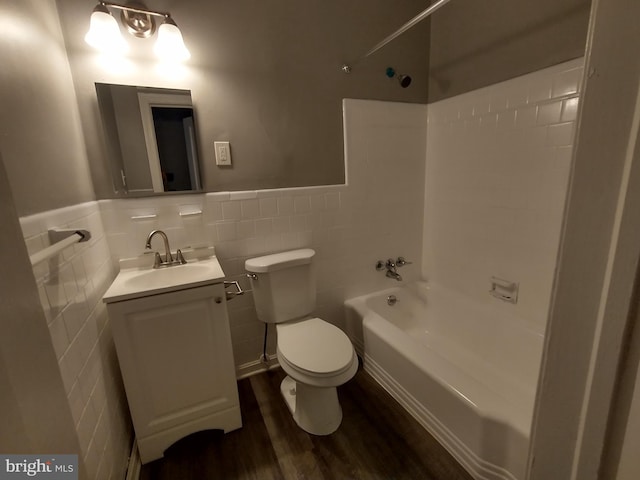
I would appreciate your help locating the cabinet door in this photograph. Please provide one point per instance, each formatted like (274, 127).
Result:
(176, 357)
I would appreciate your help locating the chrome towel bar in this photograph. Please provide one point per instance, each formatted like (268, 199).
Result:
(60, 239)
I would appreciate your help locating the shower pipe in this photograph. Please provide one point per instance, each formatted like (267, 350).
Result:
(415, 20)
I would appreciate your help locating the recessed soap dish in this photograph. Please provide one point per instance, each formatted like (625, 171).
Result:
(504, 290)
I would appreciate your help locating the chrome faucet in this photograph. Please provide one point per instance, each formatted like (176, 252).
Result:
(392, 271)
(391, 267)
(168, 257)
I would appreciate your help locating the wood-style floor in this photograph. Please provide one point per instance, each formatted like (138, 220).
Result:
(377, 440)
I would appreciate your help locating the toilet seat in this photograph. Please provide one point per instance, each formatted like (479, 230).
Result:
(316, 352)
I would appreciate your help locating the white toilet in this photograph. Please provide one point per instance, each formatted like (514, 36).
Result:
(316, 355)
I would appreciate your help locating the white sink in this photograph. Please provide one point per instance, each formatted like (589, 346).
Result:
(144, 281)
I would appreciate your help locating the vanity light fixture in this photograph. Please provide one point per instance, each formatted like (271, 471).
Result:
(104, 32)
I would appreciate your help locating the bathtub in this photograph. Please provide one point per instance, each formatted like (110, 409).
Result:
(466, 372)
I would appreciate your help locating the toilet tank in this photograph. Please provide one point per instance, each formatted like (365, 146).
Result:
(284, 286)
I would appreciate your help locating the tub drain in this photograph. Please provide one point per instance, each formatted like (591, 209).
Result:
(391, 300)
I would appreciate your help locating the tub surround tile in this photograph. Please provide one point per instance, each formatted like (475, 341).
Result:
(526, 116)
(569, 109)
(561, 134)
(549, 113)
(495, 200)
(567, 82)
(539, 89)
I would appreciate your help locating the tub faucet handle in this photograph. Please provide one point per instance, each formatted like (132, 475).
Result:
(401, 262)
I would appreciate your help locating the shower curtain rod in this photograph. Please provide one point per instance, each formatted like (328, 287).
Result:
(417, 19)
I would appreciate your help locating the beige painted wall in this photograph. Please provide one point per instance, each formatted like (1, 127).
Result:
(479, 43)
(42, 143)
(34, 412)
(266, 77)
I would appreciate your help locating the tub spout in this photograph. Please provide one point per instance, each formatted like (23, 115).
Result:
(391, 267)
(394, 275)
(392, 271)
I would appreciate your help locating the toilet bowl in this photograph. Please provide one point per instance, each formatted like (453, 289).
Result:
(316, 355)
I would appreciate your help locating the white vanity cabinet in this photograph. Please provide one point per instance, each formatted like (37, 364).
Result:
(176, 359)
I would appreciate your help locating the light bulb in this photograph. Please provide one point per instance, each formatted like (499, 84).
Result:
(104, 33)
(170, 45)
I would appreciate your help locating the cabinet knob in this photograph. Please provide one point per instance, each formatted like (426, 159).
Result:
(218, 299)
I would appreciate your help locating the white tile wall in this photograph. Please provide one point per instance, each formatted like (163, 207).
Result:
(71, 286)
(498, 164)
(376, 216)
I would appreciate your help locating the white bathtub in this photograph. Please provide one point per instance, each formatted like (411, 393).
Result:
(465, 372)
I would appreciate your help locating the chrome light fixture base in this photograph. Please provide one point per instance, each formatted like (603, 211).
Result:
(139, 24)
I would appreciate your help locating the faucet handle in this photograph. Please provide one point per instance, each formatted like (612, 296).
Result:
(380, 265)
(401, 262)
(157, 261)
(179, 257)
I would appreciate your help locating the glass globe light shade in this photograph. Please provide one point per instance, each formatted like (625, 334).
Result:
(170, 44)
(104, 33)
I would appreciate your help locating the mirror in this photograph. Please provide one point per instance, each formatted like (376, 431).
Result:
(150, 138)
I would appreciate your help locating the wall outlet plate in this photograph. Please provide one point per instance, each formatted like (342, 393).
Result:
(223, 153)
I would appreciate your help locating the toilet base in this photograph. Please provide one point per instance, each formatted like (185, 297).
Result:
(315, 409)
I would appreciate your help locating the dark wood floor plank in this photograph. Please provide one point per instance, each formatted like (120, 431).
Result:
(244, 454)
(293, 447)
(402, 436)
(377, 440)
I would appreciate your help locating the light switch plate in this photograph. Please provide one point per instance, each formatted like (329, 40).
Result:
(223, 153)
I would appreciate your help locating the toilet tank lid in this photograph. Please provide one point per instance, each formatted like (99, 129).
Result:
(277, 261)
